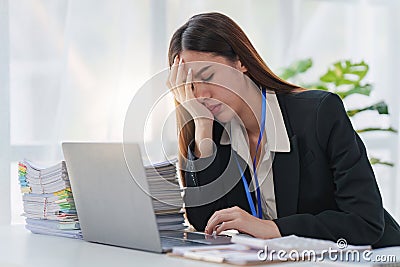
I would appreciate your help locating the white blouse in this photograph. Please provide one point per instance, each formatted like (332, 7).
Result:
(277, 140)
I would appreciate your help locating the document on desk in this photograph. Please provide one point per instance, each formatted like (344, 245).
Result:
(248, 250)
(293, 242)
(233, 254)
(77, 234)
(54, 225)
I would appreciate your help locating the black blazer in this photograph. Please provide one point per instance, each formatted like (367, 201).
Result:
(324, 187)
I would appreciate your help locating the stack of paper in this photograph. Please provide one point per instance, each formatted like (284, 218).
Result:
(41, 180)
(166, 194)
(49, 205)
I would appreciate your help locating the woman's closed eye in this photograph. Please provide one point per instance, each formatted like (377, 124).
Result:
(208, 78)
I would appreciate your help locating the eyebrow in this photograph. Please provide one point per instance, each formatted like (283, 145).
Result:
(202, 70)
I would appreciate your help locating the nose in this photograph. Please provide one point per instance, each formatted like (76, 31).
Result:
(201, 92)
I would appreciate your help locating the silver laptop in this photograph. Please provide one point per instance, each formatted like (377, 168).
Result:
(113, 207)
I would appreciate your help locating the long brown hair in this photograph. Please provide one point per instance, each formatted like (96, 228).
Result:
(218, 34)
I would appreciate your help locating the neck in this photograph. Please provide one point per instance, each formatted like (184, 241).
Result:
(250, 115)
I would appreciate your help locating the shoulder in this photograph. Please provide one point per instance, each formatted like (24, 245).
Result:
(322, 110)
(312, 110)
(308, 95)
(310, 101)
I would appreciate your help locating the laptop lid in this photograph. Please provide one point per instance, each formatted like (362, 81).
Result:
(111, 199)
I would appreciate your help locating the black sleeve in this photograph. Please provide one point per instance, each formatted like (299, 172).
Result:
(201, 172)
(213, 183)
(360, 219)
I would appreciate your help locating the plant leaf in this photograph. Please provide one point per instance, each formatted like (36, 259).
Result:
(378, 161)
(318, 85)
(296, 68)
(381, 107)
(390, 129)
(345, 72)
(361, 89)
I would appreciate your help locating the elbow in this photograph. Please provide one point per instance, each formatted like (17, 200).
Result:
(376, 232)
(375, 224)
(373, 231)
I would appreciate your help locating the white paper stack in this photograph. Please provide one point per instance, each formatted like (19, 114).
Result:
(166, 193)
(46, 180)
(49, 205)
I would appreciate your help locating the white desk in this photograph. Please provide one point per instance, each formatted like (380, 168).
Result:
(18, 247)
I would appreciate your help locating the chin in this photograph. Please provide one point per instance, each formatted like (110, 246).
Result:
(224, 117)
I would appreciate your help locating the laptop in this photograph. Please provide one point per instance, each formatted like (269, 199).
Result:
(109, 184)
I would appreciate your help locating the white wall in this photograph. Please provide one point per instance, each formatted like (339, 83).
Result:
(4, 116)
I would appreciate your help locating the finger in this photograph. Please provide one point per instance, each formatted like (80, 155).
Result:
(174, 70)
(180, 76)
(172, 89)
(218, 219)
(219, 213)
(168, 84)
(228, 211)
(226, 226)
(178, 91)
(188, 85)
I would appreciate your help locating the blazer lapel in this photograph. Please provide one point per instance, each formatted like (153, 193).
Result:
(286, 179)
(286, 170)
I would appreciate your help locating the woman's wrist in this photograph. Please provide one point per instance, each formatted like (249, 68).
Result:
(204, 145)
(203, 123)
(204, 148)
(272, 232)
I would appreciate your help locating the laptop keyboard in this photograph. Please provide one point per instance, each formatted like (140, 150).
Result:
(172, 242)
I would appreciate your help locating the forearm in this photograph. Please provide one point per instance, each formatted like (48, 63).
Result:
(203, 138)
(200, 171)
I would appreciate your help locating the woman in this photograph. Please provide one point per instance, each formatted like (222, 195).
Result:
(261, 155)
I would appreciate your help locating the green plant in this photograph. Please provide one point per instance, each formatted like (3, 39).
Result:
(344, 78)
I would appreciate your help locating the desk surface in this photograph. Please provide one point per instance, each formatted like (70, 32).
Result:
(19, 247)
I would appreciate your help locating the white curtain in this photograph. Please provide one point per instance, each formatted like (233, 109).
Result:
(72, 67)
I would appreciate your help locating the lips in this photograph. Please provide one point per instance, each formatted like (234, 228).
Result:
(215, 109)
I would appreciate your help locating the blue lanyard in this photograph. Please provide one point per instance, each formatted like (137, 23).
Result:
(246, 186)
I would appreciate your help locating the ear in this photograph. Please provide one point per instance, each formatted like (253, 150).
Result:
(239, 66)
